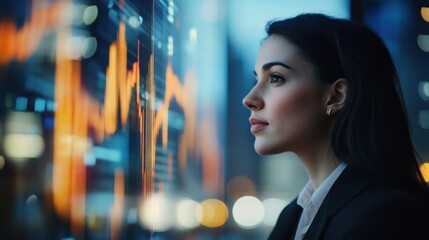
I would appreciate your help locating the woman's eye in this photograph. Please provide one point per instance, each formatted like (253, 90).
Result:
(275, 78)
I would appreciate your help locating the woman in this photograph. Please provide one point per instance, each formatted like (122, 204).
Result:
(327, 89)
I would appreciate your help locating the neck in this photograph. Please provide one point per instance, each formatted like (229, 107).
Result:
(319, 163)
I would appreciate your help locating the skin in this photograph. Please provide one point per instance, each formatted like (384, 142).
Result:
(288, 107)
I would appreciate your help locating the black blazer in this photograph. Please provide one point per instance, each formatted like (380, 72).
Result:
(356, 209)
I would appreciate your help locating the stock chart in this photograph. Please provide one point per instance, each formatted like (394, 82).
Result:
(103, 132)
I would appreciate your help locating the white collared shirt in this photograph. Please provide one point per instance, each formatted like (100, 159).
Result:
(310, 200)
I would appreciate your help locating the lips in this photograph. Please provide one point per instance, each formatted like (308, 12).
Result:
(257, 125)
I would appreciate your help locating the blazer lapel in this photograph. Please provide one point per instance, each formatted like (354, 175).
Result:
(345, 188)
(287, 222)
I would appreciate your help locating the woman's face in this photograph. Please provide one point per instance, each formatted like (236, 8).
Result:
(286, 103)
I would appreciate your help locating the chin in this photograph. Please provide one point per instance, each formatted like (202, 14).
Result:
(266, 150)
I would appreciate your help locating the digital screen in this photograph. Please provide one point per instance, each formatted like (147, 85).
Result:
(104, 135)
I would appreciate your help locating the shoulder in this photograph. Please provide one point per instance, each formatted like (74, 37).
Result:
(382, 197)
(377, 213)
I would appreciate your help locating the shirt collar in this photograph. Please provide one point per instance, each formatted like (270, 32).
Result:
(316, 196)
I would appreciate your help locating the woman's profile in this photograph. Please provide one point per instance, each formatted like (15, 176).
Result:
(327, 90)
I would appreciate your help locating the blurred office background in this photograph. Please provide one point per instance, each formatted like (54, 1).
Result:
(122, 119)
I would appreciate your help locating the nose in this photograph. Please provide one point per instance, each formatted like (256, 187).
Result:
(252, 101)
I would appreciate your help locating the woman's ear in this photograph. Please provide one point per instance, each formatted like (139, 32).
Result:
(336, 96)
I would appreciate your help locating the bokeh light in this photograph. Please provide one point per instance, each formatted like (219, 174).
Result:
(273, 208)
(23, 138)
(423, 42)
(193, 35)
(90, 14)
(89, 45)
(425, 13)
(424, 169)
(212, 213)
(2, 162)
(240, 186)
(133, 21)
(32, 200)
(186, 211)
(424, 119)
(22, 146)
(423, 90)
(248, 212)
(155, 213)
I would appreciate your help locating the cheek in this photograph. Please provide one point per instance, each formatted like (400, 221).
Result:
(299, 103)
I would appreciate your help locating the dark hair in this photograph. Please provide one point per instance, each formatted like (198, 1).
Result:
(371, 133)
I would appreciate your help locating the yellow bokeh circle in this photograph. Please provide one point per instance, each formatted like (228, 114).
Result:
(212, 213)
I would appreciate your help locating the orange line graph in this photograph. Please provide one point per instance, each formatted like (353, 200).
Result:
(76, 108)
(199, 135)
(158, 121)
(186, 97)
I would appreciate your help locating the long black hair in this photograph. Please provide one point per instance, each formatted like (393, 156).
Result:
(371, 133)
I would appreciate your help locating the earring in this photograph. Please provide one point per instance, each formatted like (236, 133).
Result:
(328, 112)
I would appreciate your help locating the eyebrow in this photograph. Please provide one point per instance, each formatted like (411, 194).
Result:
(269, 65)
